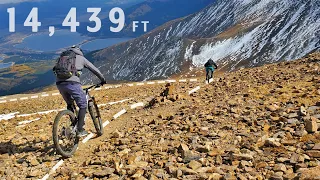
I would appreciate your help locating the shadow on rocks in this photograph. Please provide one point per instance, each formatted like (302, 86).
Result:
(10, 148)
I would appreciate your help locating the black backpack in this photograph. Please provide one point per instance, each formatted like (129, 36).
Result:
(65, 66)
(211, 63)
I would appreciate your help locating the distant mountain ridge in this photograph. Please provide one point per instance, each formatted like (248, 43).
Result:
(235, 33)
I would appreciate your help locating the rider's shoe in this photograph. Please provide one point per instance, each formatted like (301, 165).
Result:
(82, 133)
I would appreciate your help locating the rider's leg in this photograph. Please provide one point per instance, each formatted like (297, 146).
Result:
(70, 107)
(66, 96)
(75, 90)
(64, 91)
(207, 71)
(212, 71)
(80, 98)
(81, 117)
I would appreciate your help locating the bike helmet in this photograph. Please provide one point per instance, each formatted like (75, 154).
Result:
(77, 48)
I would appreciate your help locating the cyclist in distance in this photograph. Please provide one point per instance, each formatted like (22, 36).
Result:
(210, 66)
(68, 70)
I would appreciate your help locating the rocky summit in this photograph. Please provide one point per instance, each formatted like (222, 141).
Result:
(258, 123)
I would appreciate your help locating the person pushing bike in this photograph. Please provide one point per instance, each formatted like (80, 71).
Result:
(210, 66)
(68, 70)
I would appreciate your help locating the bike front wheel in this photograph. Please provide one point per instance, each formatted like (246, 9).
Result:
(96, 118)
(64, 133)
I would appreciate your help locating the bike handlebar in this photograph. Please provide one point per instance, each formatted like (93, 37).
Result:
(93, 86)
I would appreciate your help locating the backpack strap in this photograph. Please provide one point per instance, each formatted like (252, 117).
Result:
(73, 65)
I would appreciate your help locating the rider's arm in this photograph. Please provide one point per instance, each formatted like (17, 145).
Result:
(215, 65)
(93, 69)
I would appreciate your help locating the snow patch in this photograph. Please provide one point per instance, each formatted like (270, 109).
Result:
(223, 49)
(244, 2)
(188, 53)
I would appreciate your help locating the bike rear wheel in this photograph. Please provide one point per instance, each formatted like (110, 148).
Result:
(209, 75)
(64, 134)
(96, 118)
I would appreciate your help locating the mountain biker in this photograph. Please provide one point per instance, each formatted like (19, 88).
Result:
(69, 83)
(210, 65)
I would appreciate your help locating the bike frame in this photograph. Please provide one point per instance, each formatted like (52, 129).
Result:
(92, 99)
(89, 99)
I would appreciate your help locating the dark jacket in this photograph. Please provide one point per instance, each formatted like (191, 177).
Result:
(211, 63)
(82, 62)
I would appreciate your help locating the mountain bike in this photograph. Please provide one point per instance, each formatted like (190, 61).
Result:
(64, 130)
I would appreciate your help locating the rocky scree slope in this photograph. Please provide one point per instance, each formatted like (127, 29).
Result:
(259, 123)
(235, 33)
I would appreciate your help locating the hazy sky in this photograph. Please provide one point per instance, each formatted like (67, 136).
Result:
(120, 1)
(16, 1)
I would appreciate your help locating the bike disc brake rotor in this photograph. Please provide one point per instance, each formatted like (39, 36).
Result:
(68, 132)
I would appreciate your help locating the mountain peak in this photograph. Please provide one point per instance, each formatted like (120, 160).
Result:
(236, 33)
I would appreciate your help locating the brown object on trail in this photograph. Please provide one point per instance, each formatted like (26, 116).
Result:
(168, 91)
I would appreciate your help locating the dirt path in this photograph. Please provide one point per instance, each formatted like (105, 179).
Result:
(29, 147)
